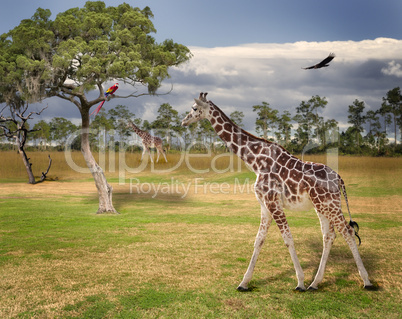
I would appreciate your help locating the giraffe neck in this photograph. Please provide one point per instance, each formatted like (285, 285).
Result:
(139, 132)
(235, 138)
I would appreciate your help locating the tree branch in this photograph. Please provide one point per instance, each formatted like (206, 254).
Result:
(48, 168)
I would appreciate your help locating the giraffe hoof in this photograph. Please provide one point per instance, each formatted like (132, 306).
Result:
(371, 288)
(299, 289)
(312, 288)
(242, 289)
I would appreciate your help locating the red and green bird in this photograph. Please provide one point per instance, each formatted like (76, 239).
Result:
(108, 92)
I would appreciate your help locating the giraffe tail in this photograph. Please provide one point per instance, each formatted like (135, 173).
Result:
(352, 224)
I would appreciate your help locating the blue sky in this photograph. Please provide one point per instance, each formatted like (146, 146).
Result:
(249, 52)
(212, 23)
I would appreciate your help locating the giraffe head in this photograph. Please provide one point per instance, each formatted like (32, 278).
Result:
(199, 110)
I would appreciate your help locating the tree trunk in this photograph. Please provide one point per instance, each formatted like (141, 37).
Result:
(25, 159)
(20, 142)
(395, 129)
(104, 189)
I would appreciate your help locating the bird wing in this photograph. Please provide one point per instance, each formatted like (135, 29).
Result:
(110, 90)
(322, 63)
(114, 89)
(327, 59)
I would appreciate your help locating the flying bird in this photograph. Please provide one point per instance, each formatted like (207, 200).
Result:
(323, 63)
(109, 91)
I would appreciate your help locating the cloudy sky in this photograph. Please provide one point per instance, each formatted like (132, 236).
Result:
(249, 52)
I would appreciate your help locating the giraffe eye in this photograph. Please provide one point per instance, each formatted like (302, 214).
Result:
(194, 108)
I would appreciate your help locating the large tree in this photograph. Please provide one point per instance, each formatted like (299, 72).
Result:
(81, 50)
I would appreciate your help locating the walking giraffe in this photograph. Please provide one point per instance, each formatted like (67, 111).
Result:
(284, 181)
(148, 141)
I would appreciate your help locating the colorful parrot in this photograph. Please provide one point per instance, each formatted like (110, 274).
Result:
(108, 92)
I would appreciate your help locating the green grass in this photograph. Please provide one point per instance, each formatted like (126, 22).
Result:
(183, 257)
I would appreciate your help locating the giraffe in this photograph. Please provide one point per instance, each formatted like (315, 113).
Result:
(284, 181)
(148, 141)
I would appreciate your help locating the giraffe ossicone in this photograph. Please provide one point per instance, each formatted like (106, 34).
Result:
(148, 141)
(283, 180)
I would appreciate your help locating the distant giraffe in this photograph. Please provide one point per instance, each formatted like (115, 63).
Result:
(148, 141)
(284, 181)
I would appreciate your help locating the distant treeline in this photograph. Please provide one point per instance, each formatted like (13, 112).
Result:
(306, 131)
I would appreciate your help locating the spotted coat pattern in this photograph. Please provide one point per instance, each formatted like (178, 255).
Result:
(148, 141)
(284, 181)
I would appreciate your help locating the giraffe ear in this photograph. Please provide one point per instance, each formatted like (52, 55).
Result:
(200, 103)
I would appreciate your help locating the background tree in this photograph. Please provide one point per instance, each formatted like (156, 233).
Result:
(392, 104)
(237, 118)
(42, 133)
(310, 123)
(357, 119)
(330, 132)
(60, 129)
(83, 49)
(266, 119)
(165, 122)
(284, 128)
(146, 126)
(118, 117)
(373, 120)
(304, 121)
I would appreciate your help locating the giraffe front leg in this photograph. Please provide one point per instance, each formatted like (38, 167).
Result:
(266, 220)
(275, 207)
(144, 150)
(328, 234)
(150, 155)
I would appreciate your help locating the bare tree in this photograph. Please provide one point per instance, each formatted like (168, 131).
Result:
(16, 127)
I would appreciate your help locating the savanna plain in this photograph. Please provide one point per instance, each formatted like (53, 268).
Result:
(182, 242)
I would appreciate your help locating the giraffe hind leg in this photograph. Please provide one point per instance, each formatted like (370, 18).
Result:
(328, 234)
(164, 154)
(157, 155)
(348, 234)
(150, 155)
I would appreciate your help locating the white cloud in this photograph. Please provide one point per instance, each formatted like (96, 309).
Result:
(393, 69)
(239, 77)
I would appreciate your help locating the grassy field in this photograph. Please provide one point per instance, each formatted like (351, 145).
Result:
(182, 242)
